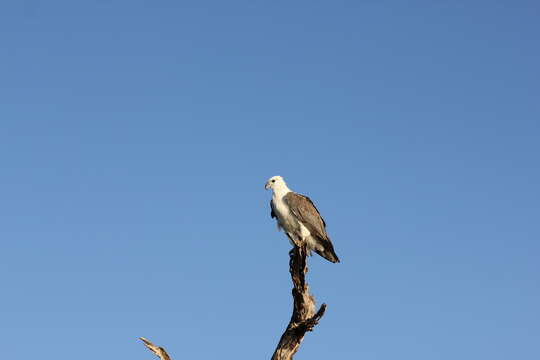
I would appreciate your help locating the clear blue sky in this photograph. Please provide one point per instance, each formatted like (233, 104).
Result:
(136, 137)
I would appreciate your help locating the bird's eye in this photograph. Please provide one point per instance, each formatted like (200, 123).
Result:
(273, 181)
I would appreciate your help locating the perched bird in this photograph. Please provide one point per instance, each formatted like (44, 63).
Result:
(299, 219)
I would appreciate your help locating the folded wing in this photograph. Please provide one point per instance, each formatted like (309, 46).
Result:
(303, 209)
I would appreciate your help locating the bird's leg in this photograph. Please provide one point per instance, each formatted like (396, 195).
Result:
(292, 240)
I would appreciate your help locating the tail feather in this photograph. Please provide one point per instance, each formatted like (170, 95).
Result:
(328, 253)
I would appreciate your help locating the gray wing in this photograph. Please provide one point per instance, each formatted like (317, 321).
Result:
(305, 211)
(272, 212)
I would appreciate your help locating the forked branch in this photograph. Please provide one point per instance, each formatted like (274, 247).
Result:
(304, 317)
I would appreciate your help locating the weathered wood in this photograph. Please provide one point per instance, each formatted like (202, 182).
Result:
(158, 350)
(304, 317)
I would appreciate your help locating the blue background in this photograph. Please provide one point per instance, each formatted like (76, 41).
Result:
(136, 137)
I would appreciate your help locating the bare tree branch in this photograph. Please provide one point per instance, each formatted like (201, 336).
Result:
(304, 317)
(158, 350)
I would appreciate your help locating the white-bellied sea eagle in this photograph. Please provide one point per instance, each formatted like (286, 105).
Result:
(299, 218)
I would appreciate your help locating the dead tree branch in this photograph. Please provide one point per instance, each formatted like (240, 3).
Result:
(158, 350)
(304, 317)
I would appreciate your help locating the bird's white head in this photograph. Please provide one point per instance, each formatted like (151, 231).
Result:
(277, 184)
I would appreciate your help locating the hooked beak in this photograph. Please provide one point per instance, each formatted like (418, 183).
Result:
(267, 186)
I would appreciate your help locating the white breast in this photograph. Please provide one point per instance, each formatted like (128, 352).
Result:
(283, 214)
(288, 222)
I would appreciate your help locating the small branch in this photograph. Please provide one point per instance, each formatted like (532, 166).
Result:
(157, 350)
(304, 317)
